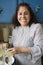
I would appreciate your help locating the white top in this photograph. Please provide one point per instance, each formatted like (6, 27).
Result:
(32, 38)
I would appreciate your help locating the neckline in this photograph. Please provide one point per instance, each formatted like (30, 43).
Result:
(26, 28)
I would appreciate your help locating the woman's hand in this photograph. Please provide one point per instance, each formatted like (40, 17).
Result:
(18, 50)
(12, 51)
(15, 50)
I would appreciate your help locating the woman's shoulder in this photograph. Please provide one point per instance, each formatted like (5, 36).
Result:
(37, 25)
(34, 27)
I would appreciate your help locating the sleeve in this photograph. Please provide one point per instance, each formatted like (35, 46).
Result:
(37, 49)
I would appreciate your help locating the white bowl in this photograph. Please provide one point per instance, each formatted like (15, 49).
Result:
(11, 61)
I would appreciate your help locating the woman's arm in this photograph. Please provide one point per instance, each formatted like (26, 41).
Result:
(22, 50)
(37, 49)
(19, 50)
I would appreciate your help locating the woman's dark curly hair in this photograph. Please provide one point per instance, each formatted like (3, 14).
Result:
(32, 15)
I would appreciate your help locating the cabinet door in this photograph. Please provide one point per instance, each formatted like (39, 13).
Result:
(8, 8)
(37, 6)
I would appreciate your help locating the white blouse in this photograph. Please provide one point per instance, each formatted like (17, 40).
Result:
(32, 38)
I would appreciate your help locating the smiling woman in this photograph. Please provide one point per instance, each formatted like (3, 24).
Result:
(27, 36)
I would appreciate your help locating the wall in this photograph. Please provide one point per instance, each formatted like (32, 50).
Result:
(37, 6)
(9, 7)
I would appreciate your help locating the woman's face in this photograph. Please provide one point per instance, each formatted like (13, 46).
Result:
(23, 16)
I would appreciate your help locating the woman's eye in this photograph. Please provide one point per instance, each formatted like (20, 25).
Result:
(20, 13)
(26, 13)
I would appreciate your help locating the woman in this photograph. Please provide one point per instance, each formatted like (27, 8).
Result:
(27, 37)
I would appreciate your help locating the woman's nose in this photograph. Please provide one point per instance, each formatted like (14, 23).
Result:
(23, 16)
